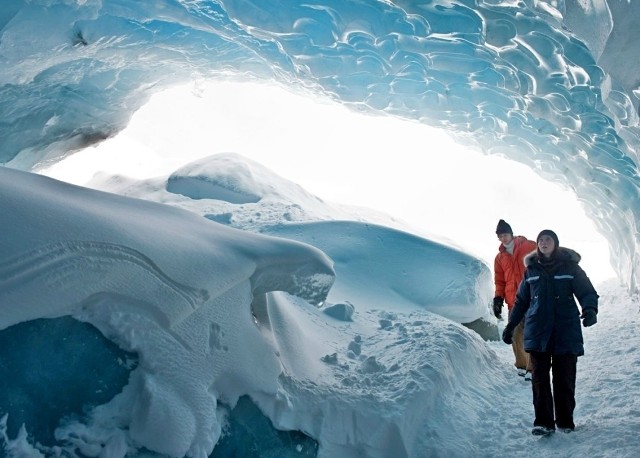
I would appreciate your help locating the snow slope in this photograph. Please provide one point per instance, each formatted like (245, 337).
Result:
(215, 314)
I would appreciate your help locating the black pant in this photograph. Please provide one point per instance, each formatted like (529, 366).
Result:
(564, 389)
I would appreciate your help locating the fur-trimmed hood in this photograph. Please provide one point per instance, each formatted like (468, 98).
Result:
(563, 254)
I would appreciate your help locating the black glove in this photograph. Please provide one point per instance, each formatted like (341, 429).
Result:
(589, 317)
(507, 334)
(498, 302)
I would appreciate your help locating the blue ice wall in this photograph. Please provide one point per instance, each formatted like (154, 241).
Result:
(54, 368)
(508, 76)
(250, 434)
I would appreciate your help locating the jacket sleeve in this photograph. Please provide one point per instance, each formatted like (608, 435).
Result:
(585, 292)
(530, 246)
(498, 276)
(523, 300)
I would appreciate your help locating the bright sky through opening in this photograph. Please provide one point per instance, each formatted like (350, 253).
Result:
(410, 171)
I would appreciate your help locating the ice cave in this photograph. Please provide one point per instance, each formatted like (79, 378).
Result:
(220, 333)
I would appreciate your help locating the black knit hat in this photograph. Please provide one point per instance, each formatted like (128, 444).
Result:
(503, 228)
(551, 234)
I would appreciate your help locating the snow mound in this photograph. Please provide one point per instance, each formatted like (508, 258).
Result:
(410, 272)
(231, 178)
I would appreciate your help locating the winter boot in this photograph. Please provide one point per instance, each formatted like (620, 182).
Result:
(542, 431)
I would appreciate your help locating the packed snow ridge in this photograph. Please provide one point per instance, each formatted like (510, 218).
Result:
(213, 314)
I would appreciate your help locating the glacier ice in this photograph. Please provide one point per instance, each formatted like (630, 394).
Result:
(250, 433)
(547, 83)
(52, 369)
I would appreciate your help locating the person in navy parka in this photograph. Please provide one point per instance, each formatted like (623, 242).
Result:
(552, 333)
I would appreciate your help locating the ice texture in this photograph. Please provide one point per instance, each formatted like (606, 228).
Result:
(52, 369)
(552, 84)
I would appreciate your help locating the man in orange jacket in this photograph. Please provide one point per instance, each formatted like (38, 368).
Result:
(508, 272)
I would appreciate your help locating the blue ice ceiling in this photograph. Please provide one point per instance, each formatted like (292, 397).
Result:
(547, 83)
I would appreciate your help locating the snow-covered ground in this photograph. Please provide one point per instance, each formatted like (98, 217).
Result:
(215, 313)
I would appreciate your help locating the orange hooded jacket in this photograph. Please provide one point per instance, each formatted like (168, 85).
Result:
(509, 268)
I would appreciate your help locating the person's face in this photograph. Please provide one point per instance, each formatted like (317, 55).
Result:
(505, 238)
(546, 245)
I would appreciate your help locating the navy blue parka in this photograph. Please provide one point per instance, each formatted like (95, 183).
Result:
(546, 301)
